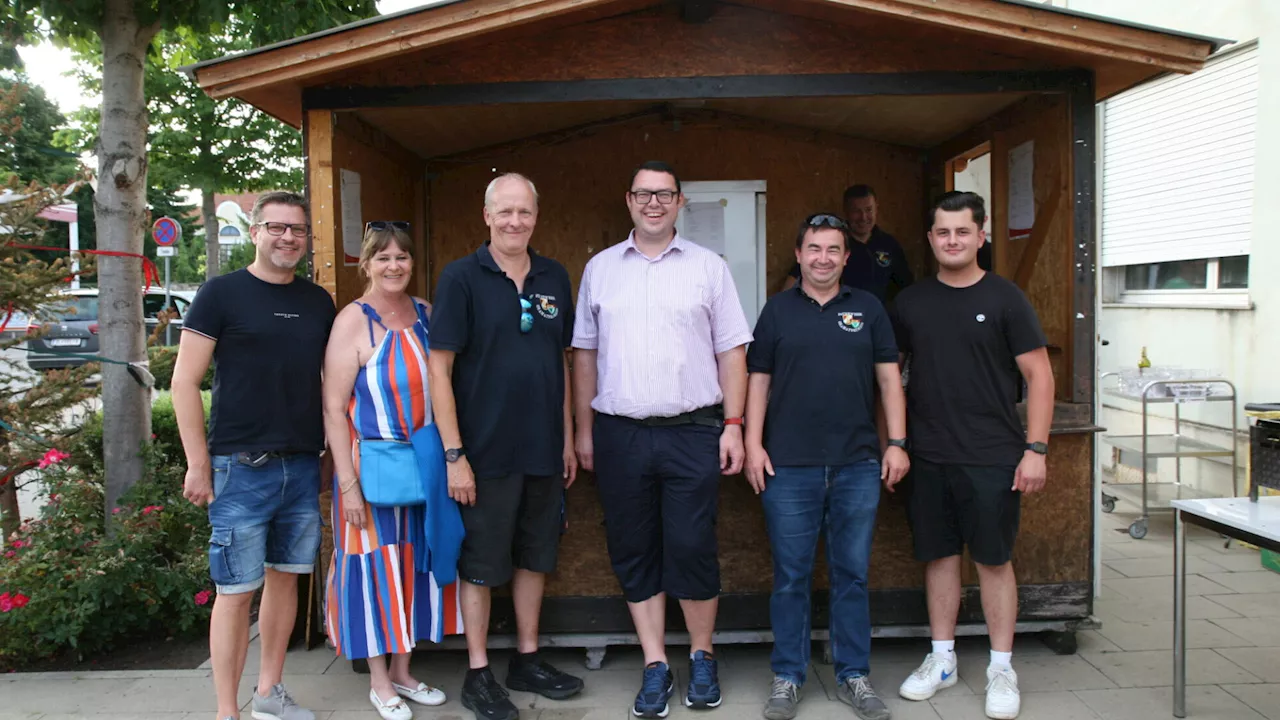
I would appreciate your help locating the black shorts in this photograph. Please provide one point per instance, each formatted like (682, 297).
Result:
(515, 523)
(953, 506)
(660, 490)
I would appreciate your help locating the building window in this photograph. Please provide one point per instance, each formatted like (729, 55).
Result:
(1208, 282)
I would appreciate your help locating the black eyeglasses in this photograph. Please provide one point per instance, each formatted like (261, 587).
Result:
(665, 197)
(825, 220)
(386, 224)
(278, 229)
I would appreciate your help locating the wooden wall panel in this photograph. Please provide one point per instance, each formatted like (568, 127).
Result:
(583, 182)
(391, 188)
(1043, 119)
(655, 43)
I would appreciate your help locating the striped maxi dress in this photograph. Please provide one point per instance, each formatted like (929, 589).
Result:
(376, 602)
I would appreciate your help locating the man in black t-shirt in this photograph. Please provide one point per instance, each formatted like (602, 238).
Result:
(876, 261)
(821, 350)
(502, 322)
(258, 468)
(970, 337)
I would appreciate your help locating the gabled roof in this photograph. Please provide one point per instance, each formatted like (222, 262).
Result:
(272, 77)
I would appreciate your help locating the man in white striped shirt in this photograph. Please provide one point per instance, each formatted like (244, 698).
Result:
(660, 362)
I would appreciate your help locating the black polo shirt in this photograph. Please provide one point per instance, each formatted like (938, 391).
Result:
(822, 358)
(878, 266)
(508, 385)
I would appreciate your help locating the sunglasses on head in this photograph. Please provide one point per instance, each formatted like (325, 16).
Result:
(825, 220)
(386, 225)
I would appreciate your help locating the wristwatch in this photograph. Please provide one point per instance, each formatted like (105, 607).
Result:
(452, 454)
(1038, 447)
(898, 443)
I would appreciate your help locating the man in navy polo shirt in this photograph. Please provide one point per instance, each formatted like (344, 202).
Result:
(502, 322)
(876, 263)
(821, 351)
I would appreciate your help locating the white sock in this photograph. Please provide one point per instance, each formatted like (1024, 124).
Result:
(1001, 660)
(945, 648)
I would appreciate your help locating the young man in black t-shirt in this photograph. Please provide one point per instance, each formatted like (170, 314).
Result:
(970, 337)
(821, 351)
(258, 469)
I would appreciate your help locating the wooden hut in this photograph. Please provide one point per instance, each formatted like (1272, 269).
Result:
(777, 103)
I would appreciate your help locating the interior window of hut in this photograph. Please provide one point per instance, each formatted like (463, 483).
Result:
(971, 172)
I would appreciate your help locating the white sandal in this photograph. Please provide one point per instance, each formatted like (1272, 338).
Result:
(394, 709)
(423, 695)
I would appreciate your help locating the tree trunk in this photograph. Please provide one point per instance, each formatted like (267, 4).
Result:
(120, 213)
(10, 519)
(212, 248)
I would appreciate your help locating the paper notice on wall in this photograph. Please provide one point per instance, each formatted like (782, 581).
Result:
(352, 220)
(704, 225)
(1022, 197)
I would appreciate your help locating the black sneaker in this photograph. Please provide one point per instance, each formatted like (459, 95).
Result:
(529, 673)
(482, 695)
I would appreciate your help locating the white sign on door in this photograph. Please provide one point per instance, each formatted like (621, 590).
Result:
(728, 219)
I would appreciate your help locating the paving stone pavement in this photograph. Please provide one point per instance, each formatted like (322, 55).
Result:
(1122, 671)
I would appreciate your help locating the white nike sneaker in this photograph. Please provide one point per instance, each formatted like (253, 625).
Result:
(1003, 700)
(934, 674)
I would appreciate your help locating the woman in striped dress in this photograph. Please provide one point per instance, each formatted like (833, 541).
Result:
(378, 604)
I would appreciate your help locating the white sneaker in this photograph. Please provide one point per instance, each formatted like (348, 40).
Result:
(934, 674)
(1003, 700)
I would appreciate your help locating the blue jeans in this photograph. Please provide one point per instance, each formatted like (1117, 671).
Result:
(799, 502)
(263, 517)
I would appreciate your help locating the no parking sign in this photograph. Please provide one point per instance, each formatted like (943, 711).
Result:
(166, 231)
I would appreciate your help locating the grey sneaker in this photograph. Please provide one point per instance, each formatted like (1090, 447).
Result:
(784, 698)
(857, 692)
(279, 706)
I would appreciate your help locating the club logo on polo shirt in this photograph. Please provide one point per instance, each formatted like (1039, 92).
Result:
(849, 321)
(882, 258)
(546, 305)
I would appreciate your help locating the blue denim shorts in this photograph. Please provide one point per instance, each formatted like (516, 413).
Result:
(263, 517)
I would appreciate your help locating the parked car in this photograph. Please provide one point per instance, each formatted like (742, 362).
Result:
(70, 327)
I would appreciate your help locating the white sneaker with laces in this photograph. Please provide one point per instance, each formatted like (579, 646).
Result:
(1003, 699)
(934, 674)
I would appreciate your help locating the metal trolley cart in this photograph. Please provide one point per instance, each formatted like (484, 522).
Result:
(1151, 495)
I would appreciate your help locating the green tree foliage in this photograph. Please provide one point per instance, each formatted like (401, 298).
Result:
(125, 31)
(27, 150)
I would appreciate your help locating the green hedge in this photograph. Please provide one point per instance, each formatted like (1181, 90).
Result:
(163, 358)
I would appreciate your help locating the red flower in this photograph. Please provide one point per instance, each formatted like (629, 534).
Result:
(152, 508)
(10, 554)
(20, 600)
(202, 597)
(117, 511)
(6, 603)
(53, 457)
(17, 544)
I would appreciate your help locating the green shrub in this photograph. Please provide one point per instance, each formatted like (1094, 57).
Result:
(163, 358)
(65, 586)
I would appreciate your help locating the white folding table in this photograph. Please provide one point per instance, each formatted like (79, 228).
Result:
(1255, 522)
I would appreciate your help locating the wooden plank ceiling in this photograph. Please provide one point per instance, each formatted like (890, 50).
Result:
(911, 121)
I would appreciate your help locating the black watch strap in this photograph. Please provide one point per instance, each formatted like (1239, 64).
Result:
(1038, 448)
(453, 454)
(898, 443)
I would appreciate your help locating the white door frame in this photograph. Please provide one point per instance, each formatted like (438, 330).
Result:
(760, 188)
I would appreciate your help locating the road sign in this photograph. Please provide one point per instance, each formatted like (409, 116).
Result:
(166, 231)
(166, 251)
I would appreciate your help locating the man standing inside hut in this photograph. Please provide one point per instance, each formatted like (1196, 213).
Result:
(258, 467)
(876, 263)
(971, 337)
(821, 351)
(499, 387)
(660, 362)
